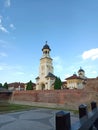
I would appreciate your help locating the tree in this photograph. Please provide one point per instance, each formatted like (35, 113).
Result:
(57, 83)
(29, 85)
(5, 85)
(0, 85)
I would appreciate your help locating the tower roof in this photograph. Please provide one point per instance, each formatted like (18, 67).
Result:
(81, 70)
(46, 46)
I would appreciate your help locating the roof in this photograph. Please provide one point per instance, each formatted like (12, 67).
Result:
(64, 82)
(81, 70)
(17, 84)
(74, 76)
(46, 46)
(50, 75)
(37, 77)
(3, 89)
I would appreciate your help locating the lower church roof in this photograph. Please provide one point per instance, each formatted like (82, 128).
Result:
(50, 75)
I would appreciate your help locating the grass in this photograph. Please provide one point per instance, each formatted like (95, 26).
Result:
(6, 107)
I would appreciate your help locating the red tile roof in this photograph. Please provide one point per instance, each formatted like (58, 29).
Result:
(74, 76)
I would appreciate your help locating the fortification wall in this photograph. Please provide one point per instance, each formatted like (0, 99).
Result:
(5, 96)
(55, 98)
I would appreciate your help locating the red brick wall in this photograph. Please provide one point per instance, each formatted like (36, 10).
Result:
(65, 97)
(5, 96)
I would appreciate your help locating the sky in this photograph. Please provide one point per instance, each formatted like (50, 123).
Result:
(69, 26)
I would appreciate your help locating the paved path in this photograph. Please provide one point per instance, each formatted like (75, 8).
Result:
(35, 119)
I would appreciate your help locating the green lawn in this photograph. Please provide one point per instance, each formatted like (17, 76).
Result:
(6, 107)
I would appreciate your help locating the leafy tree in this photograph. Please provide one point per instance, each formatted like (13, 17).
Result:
(5, 85)
(0, 85)
(57, 83)
(29, 85)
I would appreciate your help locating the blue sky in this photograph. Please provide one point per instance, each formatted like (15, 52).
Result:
(69, 26)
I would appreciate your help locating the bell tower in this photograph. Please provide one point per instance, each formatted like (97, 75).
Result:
(45, 62)
(45, 69)
(46, 50)
(81, 73)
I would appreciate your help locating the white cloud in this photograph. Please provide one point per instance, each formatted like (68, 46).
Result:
(3, 29)
(90, 54)
(7, 3)
(12, 26)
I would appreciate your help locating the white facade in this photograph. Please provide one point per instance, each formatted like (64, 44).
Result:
(74, 84)
(77, 82)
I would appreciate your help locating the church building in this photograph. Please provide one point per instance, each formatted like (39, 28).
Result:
(77, 81)
(46, 78)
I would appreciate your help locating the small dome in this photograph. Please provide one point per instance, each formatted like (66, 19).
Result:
(81, 70)
(46, 46)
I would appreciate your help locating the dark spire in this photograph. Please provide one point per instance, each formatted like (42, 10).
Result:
(80, 70)
(46, 46)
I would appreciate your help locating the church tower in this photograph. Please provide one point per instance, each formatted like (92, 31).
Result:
(46, 78)
(81, 73)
